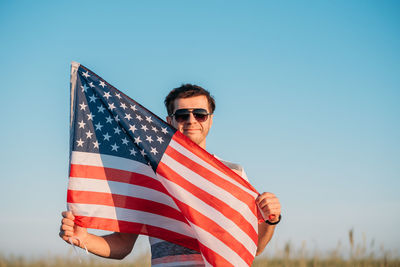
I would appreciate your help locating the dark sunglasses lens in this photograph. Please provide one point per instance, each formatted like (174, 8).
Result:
(182, 115)
(201, 115)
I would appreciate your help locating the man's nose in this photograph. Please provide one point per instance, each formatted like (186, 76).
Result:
(191, 118)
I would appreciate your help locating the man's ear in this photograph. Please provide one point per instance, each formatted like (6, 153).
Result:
(168, 119)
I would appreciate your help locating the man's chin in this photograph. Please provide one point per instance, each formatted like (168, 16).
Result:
(191, 132)
(194, 136)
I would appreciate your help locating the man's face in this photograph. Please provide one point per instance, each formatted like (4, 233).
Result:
(195, 130)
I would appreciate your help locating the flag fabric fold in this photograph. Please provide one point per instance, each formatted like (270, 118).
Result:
(132, 172)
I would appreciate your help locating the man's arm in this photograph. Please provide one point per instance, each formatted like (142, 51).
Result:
(114, 246)
(269, 205)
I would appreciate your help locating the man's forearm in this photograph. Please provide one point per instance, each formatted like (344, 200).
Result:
(114, 246)
(265, 232)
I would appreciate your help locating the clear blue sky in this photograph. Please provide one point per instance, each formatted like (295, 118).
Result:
(307, 98)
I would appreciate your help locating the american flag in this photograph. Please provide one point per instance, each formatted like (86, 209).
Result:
(132, 172)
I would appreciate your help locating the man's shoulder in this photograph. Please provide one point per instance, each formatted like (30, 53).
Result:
(235, 167)
(232, 165)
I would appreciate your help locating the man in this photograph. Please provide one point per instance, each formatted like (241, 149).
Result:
(190, 110)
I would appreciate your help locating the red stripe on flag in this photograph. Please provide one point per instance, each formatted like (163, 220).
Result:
(212, 256)
(120, 201)
(220, 233)
(209, 199)
(233, 189)
(207, 157)
(116, 175)
(137, 228)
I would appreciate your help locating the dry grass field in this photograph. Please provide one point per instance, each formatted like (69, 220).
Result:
(273, 262)
(270, 262)
(357, 254)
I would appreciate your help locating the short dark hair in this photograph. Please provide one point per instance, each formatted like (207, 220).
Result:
(185, 91)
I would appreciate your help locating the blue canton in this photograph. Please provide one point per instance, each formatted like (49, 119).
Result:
(109, 122)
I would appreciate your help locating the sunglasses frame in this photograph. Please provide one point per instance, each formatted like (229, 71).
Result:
(186, 114)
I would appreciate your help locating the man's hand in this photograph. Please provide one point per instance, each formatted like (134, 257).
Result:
(271, 209)
(114, 246)
(270, 206)
(69, 229)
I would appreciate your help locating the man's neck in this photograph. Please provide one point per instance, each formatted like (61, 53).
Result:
(203, 145)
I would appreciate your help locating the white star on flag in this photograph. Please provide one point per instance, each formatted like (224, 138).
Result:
(89, 134)
(107, 95)
(144, 128)
(133, 152)
(101, 109)
(128, 116)
(81, 124)
(106, 136)
(148, 119)
(137, 140)
(86, 74)
(124, 141)
(117, 130)
(132, 128)
(115, 147)
(153, 150)
(80, 142)
(92, 98)
(83, 106)
(109, 119)
(149, 139)
(96, 144)
(111, 106)
(90, 116)
(84, 88)
(98, 126)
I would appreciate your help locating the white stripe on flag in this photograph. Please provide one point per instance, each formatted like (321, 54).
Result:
(188, 198)
(212, 189)
(175, 145)
(108, 161)
(128, 215)
(104, 186)
(218, 246)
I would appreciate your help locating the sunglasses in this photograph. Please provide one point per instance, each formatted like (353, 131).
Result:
(182, 115)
